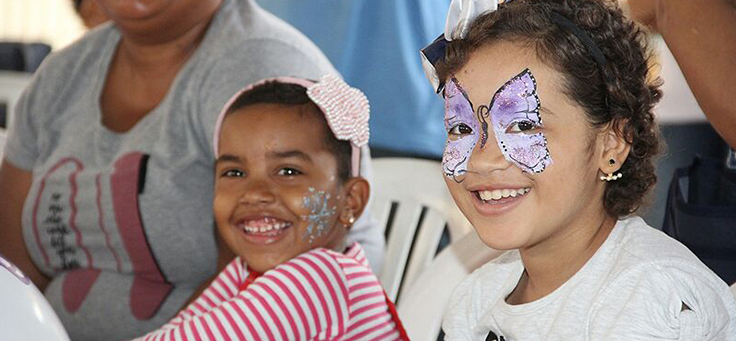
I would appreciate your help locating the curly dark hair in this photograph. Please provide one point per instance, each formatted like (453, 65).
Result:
(619, 94)
(296, 95)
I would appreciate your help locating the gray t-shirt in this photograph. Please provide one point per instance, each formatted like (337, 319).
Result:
(122, 222)
(633, 288)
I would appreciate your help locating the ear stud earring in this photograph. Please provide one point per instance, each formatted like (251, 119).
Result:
(351, 218)
(612, 177)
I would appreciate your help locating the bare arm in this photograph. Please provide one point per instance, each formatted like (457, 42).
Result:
(14, 186)
(702, 36)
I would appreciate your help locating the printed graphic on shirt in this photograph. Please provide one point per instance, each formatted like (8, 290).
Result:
(493, 337)
(76, 234)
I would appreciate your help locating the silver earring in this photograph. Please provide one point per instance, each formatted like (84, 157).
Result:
(612, 177)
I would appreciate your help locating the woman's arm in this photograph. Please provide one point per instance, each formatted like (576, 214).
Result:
(14, 186)
(702, 36)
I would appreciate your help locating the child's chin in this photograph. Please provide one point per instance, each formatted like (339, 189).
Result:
(499, 239)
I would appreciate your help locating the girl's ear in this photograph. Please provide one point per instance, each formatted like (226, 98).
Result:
(615, 148)
(357, 192)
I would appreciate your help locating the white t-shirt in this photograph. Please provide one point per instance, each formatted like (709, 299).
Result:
(633, 288)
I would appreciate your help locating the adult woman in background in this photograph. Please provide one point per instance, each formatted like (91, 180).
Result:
(104, 185)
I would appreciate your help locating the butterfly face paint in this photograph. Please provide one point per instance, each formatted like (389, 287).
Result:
(463, 132)
(514, 112)
(320, 213)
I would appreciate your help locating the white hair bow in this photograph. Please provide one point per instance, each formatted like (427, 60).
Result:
(459, 16)
(462, 12)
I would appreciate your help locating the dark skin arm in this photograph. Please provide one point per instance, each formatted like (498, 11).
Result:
(702, 37)
(14, 186)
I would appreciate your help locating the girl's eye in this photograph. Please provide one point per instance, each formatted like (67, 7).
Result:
(522, 127)
(460, 129)
(233, 173)
(286, 171)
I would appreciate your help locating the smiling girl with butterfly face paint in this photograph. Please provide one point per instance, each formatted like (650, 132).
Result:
(550, 150)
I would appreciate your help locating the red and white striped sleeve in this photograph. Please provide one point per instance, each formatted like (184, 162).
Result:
(305, 298)
(223, 288)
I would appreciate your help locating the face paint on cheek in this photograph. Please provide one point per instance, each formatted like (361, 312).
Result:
(320, 213)
(459, 116)
(514, 110)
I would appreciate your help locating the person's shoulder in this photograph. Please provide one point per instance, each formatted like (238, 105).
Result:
(638, 243)
(76, 55)
(317, 260)
(248, 44)
(656, 286)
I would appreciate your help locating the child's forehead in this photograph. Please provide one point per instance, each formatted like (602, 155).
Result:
(278, 127)
(493, 65)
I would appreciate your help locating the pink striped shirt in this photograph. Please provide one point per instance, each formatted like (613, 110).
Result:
(318, 295)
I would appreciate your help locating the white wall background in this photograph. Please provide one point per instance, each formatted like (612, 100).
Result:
(53, 22)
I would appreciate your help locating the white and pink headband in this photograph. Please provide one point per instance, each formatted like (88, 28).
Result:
(346, 110)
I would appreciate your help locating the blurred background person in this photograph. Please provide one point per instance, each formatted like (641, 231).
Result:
(375, 45)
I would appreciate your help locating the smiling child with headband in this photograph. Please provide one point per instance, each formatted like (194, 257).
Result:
(551, 140)
(287, 190)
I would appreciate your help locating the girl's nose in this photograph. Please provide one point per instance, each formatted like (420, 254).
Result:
(257, 192)
(487, 158)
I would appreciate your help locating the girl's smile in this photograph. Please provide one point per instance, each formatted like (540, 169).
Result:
(497, 199)
(262, 229)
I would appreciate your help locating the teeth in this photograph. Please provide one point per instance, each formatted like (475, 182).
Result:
(257, 226)
(497, 194)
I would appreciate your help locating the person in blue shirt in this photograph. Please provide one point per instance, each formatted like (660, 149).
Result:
(375, 45)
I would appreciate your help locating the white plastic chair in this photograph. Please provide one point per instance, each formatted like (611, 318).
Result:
(424, 302)
(413, 193)
(12, 83)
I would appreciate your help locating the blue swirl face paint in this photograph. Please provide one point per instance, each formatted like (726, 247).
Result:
(320, 213)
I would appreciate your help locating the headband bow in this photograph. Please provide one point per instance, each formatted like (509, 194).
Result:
(459, 16)
(346, 110)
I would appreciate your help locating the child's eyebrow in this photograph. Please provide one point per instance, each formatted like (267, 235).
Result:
(227, 158)
(290, 154)
(547, 111)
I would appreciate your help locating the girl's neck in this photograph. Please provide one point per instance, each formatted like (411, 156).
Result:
(550, 263)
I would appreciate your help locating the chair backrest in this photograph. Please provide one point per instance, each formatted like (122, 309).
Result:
(425, 301)
(412, 203)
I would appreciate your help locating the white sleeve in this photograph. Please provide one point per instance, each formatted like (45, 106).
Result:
(664, 302)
